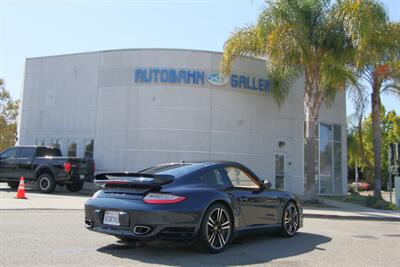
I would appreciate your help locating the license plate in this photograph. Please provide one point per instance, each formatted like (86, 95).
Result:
(82, 176)
(111, 218)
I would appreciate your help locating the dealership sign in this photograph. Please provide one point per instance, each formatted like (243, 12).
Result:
(196, 77)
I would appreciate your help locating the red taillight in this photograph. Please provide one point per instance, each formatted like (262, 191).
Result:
(117, 182)
(158, 198)
(67, 167)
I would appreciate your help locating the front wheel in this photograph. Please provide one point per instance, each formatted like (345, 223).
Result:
(290, 220)
(75, 187)
(216, 229)
(46, 183)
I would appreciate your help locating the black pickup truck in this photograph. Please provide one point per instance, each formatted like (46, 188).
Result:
(46, 166)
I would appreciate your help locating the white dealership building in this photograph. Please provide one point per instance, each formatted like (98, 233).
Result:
(134, 108)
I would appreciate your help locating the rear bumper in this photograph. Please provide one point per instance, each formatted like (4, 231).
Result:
(172, 225)
(74, 178)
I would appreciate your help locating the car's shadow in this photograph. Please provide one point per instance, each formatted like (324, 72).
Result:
(258, 249)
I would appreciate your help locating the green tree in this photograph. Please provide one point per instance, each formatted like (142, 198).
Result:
(390, 133)
(8, 118)
(303, 38)
(377, 54)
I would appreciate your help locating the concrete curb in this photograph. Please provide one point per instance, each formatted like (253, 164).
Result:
(351, 217)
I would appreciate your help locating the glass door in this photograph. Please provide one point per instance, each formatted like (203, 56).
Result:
(280, 171)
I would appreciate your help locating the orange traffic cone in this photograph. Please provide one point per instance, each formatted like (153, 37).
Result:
(21, 189)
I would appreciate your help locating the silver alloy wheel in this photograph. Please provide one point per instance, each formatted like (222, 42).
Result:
(218, 228)
(45, 183)
(291, 222)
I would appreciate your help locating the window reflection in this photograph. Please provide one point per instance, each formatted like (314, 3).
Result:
(72, 146)
(325, 131)
(56, 143)
(328, 159)
(89, 148)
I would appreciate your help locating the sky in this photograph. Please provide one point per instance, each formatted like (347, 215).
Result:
(33, 28)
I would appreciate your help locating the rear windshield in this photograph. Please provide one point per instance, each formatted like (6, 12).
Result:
(176, 170)
(48, 152)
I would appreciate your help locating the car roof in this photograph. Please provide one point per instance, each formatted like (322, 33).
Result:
(35, 146)
(205, 163)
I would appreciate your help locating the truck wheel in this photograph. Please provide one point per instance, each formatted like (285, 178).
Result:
(75, 187)
(13, 185)
(45, 183)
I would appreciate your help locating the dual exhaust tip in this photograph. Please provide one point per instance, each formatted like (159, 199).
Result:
(141, 229)
(138, 229)
(88, 223)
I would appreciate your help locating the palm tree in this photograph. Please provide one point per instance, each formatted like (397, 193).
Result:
(301, 38)
(315, 39)
(355, 141)
(377, 62)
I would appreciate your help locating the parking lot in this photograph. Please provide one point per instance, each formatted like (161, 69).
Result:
(50, 231)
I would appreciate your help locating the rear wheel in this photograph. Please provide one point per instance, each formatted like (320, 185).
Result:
(13, 185)
(290, 220)
(75, 187)
(216, 229)
(45, 183)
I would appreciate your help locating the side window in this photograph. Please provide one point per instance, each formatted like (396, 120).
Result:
(25, 152)
(9, 153)
(47, 152)
(215, 178)
(239, 178)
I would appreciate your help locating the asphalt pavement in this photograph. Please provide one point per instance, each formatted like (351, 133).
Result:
(59, 238)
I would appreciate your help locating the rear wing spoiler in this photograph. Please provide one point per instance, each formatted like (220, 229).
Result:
(129, 179)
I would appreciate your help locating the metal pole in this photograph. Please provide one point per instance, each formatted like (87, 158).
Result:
(390, 175)
(356, 189)
(395, 172)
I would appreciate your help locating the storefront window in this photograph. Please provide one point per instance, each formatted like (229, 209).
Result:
(40, 142)
(326, 131)
(56, 143)
(89, 148)
(328, 160)
(337, 171)
(280, 171)
(72, 146)
(325, 156)
(337, 133)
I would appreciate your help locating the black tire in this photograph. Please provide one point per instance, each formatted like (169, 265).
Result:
(45, 183)
(290, 220)
(13, 185)
(216, 229)
(75, 187)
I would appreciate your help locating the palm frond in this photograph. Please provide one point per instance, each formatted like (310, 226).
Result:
(246, 41)
(281, 77)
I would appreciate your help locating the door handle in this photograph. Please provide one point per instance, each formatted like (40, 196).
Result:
(244, 198)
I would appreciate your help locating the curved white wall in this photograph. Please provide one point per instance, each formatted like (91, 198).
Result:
(135, 125)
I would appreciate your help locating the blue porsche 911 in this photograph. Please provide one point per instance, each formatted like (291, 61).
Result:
(205, 204)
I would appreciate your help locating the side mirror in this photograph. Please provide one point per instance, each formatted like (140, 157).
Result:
(266, 185)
